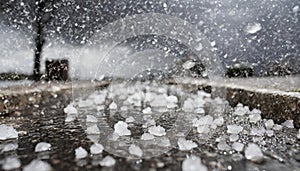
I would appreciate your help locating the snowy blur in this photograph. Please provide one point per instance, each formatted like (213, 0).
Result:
(256, 34)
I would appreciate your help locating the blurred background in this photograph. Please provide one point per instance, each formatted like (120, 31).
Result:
(261, 38)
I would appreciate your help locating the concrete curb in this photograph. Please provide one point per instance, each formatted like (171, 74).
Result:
(17, 98)
(274, 104)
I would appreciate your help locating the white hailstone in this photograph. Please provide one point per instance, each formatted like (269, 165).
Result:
(157, 130)
(147, 110)
(237, 146)
(96, 148)
(296, 8)
(149, 122)
(10, 147)
(188, 64)
(113, 106)
(239, 105)
(213, 126)
(254, 153)
(193, 163)
(11, 163)
(70, 109)
(233, 137)
(234, 129)
(203, 129)
(200, 111)
(121, 128)
(298, 135)
(222, 145)
(80, 153)
(219, 121)
(205, 120)
(240, 110)
(147, 136)
(108, 161)
(42, 146)
(269, 124)
(258, 139)
(70, 118)
(288, 124)
(172, 99)
(253, 28)
(172, 105)
(91, 119)
(130, 119)
(7, 132)
(37, 165)
(92, 130)
(258, 131)
(186, 145)
(277, 127)
(255, 111)
(253, 118)
(135, 150)
(164, 142)
(203, 94)
(270, 133)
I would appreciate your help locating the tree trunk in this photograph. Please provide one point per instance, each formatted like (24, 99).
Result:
(39, 42)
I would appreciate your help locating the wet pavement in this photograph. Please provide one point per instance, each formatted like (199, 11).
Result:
(45, 122)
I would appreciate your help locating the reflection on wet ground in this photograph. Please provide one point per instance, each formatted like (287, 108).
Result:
(46, 123)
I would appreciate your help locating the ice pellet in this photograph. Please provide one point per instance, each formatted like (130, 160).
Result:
(70, 109)
(254, 118)
(269, 124)
(130, 119)
(42, 146)
(288, 124)
(92, 129)
(121, 128)
(219, 121)
(233, 137)
(135, 150)
(91, 119)
(37, 165)
(193, 163)
(237, 146)
(277, 127)
(147, 110)
(80, 153)
(11, 163)
(254, 153)
(234, 129)
(96, 148)
(108, 161)
(157, 130)
(7, 132)
(186, 145)
(147, 136)
(113, 106)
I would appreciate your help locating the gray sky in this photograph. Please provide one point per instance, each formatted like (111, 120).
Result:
(223, 22)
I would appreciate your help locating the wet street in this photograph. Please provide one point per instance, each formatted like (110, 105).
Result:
(45, 122)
